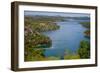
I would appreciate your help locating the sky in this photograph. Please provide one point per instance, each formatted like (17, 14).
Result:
(64, 14)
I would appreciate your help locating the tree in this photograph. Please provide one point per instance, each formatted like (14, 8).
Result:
(84, 49)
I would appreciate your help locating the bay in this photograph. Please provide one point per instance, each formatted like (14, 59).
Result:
(68, 37)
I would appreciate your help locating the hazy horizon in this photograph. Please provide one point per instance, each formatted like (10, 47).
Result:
(63, 14)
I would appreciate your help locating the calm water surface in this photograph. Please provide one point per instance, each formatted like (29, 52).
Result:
(67, 37)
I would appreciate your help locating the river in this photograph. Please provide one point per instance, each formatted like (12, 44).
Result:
(68, 37)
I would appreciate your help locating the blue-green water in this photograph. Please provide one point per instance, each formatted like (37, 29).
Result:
(67, 37)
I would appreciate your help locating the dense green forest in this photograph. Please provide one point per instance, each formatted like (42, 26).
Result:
(35, 41)
(84, 49)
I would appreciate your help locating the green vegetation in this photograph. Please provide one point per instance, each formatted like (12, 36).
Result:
(84, 49)
(78, 18)
(41, 24)
(83, 52)
(86, 25)
(34, 54)
(87, 33)
(35, 41)
(68, 57)
(52, 58)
